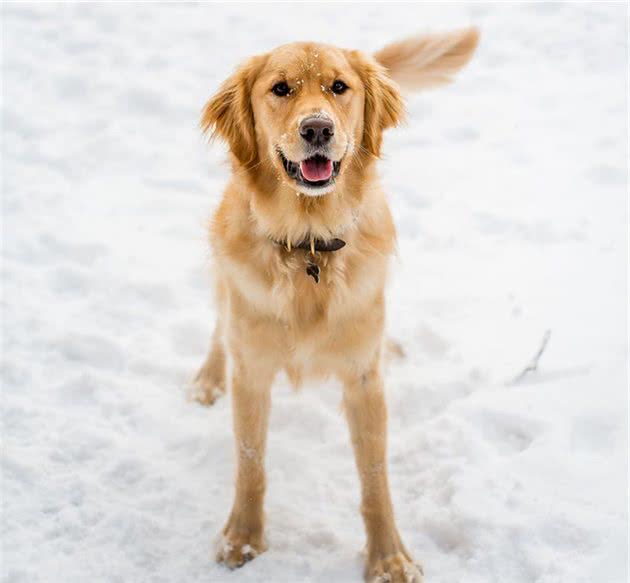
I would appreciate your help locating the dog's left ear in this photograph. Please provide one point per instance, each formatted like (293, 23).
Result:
(430, 60)
(229, 114)
(383, 106)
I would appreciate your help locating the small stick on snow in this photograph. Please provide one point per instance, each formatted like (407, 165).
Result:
(533, 363)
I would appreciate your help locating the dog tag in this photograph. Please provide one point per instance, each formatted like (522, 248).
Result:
(312, 269)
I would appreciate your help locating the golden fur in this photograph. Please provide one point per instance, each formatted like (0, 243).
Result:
(272, 315)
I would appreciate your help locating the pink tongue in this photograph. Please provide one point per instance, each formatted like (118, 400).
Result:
(315, 169)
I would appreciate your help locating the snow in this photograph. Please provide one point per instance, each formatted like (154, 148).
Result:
(510, 193)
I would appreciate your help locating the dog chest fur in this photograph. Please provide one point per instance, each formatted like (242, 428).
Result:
(261, 280)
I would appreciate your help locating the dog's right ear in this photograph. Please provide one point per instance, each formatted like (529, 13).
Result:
(229, 114)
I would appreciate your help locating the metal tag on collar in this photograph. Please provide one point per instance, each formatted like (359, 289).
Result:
(312, 269)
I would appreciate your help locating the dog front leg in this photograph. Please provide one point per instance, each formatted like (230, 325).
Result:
(365, 409)
(243, 536)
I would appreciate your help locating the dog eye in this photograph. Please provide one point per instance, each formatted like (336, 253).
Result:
(281, 89)
(339, 87)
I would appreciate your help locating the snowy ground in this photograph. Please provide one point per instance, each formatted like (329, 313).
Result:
(510, 192)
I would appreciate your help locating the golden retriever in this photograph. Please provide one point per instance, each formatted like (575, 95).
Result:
(301, 242)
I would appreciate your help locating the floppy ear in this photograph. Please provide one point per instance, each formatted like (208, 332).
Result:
(383, 107)
(229, 113)
(430, 60)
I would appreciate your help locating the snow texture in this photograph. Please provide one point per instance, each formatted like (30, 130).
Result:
(510, 193)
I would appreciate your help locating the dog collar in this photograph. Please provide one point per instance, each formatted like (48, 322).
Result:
(321, 245)
(313, 245)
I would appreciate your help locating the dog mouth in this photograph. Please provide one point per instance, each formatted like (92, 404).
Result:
(318, 171)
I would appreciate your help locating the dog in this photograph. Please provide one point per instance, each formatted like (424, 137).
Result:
(301, 242)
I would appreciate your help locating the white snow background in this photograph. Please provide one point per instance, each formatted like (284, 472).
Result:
(510, 193)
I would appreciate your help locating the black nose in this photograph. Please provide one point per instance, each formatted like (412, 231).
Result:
(317, 130)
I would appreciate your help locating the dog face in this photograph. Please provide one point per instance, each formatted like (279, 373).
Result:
(308, 107)
(306, 111)
(307, 115)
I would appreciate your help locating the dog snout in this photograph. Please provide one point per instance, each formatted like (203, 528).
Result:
(317, 131)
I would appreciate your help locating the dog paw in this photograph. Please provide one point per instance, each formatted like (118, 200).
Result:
(205, 393)
(209, 385)
(396, 568)
(234, 551)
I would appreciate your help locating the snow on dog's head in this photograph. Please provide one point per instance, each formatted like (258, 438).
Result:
(309, 116)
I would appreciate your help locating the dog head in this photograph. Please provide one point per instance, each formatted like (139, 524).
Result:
(310, 114)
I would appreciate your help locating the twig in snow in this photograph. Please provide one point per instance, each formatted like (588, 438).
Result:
(533, 363)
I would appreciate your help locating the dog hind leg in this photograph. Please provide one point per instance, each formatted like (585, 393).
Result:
(209, 383)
